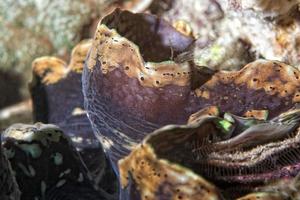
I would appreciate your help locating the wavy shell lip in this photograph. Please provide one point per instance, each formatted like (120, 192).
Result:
(78, 55)
(149, 33)
(125, 49)
(158, 178)
(260, 85)
(135, 50)
(112, 47)
(158, 174)
(40, 68)
(262, 132)
(224, 167)
(210, 110)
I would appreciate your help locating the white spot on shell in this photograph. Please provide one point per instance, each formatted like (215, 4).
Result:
(78, 111)
(80, 177)
(43, 189)
(61, 183)
(58, 158)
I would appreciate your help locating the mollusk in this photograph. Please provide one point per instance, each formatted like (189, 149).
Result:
(131, 90)
(46, 165)
(128, 95)
(191, 161)
(57, 99)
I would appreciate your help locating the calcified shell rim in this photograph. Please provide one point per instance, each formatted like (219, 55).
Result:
(114, 51)
(248, 75)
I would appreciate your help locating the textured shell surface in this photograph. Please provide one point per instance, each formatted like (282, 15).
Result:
(169, 100)
(130, 91)
(46, 164)
(188, 160)
(56, 82)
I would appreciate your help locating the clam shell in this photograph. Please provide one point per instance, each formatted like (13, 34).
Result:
(127, 97)
(57, 98)
(46, 165)
(196, 148)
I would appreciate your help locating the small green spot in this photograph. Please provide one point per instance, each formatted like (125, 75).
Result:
(225, 125)
(61, 182)
(214, 53)
(58, 159)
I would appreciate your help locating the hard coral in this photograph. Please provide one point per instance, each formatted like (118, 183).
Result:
(269, 8)
(46, 25)
(30, 29)
(268, 27)
(233, 33)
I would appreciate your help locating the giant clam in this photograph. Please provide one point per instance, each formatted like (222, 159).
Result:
(46, 165)
(130, 90)
(265, 151)
(170, 128)
(146, 89)
(55, 82)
